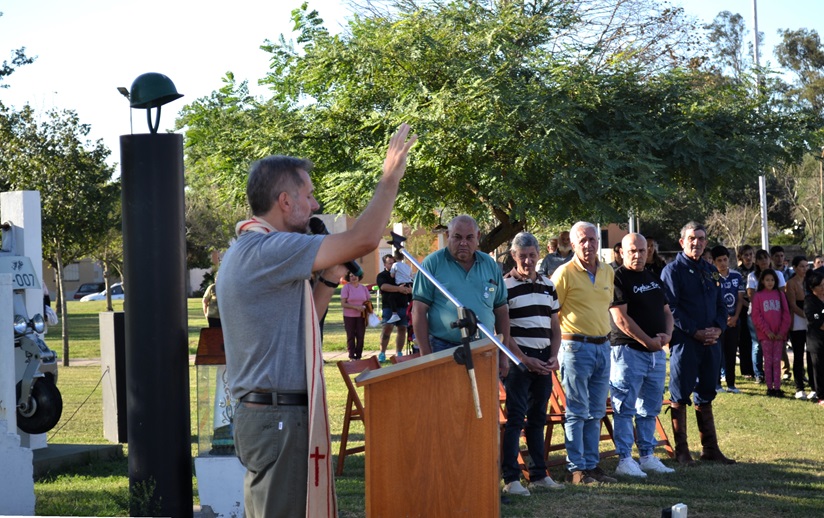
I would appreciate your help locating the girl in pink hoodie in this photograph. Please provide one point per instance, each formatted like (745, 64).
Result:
(771, 317)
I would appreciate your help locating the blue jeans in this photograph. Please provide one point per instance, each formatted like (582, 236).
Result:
(757, 355)
(585, 377)
(691, 360)
(527, 394)
(636, 382)
(439, 345)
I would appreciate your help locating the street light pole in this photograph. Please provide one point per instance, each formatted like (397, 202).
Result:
(762, 180)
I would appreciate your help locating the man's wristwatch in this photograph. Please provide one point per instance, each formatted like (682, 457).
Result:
(327, 282)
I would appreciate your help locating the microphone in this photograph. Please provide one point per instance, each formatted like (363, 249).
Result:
(317, 227)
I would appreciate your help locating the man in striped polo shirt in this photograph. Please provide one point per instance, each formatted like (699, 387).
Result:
(535, 337)
(584, 286)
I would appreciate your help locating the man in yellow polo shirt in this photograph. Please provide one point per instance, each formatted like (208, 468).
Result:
(584, 286)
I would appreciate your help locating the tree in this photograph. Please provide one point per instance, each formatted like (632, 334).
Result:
(801, 51)
(727, 33)
(515, 131)
(18, 59)
(76, 189)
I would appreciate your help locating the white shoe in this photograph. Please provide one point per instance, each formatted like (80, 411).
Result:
(627, 466)
(515, 488)
(812, 396)
(733, 390)
(394, 318)
(801, 395)
(651, 464)
(546, 483)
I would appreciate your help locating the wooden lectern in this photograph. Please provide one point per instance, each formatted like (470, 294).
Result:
(427, 454)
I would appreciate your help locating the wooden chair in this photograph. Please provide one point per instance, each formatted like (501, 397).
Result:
(556, 415)
(400, 359)
(354, 407)
(662, 433)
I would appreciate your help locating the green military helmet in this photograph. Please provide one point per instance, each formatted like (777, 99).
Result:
(152, 90)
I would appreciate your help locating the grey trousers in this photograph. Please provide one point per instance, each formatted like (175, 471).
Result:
(272, 443)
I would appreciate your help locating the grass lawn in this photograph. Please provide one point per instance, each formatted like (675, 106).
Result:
(780, 470)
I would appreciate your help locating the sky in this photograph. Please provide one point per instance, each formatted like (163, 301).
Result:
(87, 48)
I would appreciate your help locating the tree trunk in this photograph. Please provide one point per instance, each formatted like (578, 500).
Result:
(64, 320)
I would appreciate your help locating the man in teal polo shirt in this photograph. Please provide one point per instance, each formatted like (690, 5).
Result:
(472, 277)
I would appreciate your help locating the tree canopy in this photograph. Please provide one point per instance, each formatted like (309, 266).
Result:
(520, 123)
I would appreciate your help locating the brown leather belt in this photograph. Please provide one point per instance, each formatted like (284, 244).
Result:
(281, 398)
(575, 337)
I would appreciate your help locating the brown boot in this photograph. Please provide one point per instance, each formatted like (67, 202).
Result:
(679, 430)
(709, 439)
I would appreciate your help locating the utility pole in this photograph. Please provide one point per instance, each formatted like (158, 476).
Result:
(762, 180)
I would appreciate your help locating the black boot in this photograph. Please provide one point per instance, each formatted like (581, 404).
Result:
(678, 412)
(709, 438)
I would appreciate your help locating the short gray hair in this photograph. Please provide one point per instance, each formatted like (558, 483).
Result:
(524, 240)
(692, 225)
(271, 176)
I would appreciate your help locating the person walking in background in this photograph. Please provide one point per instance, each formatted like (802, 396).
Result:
(354, 297)
(798, 331)
(746, 265)
(732, 286)
(210, 307)
(771, 318)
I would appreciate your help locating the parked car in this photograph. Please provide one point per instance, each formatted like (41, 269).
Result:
(89, 288)
(117, 293)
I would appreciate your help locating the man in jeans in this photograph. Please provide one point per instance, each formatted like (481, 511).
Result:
(641, 327)
(535, 340)
(584, 288)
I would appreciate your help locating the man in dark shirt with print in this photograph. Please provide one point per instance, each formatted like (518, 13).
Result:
(641, 326)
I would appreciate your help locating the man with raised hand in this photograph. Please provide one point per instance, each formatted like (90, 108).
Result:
(271, 332)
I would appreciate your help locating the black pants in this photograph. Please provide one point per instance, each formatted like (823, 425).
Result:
(744, 345)
(729, 347)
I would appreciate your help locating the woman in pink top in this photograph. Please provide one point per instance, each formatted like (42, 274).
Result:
(771, 317)
(353, 298)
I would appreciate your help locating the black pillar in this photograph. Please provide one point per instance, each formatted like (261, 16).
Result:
(157, 357)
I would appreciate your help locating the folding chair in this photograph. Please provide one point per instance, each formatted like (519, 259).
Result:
(354, 407)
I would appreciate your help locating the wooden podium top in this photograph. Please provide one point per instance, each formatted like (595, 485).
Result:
(424, 362)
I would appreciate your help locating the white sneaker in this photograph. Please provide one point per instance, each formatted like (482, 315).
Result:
(801, 395)
(812, 396)
(650, 463)
(515, 488)
(627, 466)
(733, 390)
(546, 483)
(394, 318)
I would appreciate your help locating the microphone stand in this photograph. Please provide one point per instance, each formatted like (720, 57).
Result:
(467, 322)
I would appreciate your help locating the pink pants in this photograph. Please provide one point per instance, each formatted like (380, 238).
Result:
(772, 350)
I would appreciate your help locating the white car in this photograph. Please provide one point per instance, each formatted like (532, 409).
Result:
(117, 293)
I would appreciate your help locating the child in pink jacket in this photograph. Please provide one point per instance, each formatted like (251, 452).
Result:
(771, 317)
